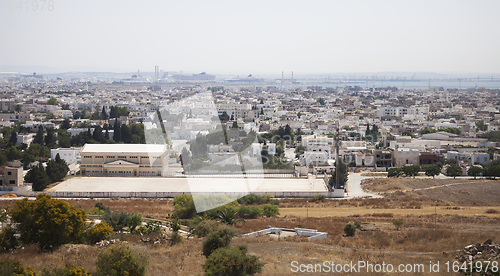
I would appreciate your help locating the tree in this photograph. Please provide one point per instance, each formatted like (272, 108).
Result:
(343, 176)
(217, 239)
(47, 221)
(38, 177)
(184, 206)
(66, 124)
(475, 171)
(227, 215)
(224, 117)
(481, 125)
(398, 224)
(104, 116)
(411, 170)
(454, 171)
(8, 239)
(50, 138)
(350, 230)
(57, 169)
(432, 170)
(232, 261)
(235, 124)
(126, 136)
(117, 136)
(394, 172)
(493, 170)
(52, 101)
(13, 153)
(407, 133)
(97, 135)
(13, 138)
(39, 136)
(133, 221)
(120, 259)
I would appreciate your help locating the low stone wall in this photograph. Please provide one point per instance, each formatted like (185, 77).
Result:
(310, 233)
(335, 194)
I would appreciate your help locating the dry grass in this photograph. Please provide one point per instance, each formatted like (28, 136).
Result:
(416, 242)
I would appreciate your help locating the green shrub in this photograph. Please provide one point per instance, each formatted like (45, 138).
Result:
(119, 260)
(270, 210)
(349, 230)
(175, 238)
(394, 172)
(253, 198)
(8, 268)
(66, 270)
(217, 239)
(232, 261)
(133, 221)
(250, 212)
(184, 206)
(275, 202)
(151, 227)
(95, 211)
(98, 233)
(317, 197)
(101, 206)
(48, 222)
(398, 224)
(117, 220)
(205, 227)
(357, 223)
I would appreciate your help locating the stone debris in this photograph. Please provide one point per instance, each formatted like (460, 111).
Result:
(487, 250)
(106, 243)
(156, 240)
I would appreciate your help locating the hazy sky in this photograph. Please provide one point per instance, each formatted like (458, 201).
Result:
(255, 36)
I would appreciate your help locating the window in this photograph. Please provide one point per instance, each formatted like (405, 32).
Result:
(9, 173)
(87, 156)
(133, 156)
(13, 182)
(99, 157)
(122, 157)
(109, 156)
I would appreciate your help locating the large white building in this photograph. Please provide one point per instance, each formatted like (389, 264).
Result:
(403, 111)
(315, 143)
(124, 160)
(70, 155)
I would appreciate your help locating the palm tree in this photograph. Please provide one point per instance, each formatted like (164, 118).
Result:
(228, 216)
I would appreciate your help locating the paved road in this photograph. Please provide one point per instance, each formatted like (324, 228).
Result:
(354, 186)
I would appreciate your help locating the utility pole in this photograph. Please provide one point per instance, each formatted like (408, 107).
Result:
(337, 161)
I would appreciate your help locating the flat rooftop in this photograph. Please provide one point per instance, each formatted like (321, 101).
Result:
(123, 148)
(160, 184)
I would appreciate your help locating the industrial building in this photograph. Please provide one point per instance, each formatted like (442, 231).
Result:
(124, 160)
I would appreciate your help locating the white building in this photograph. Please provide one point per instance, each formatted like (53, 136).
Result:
(70, 155)
(317, 143)
(124, 160)
(405, 156)
(25, 138)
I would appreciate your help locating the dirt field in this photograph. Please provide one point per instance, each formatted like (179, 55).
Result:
(458, 192)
